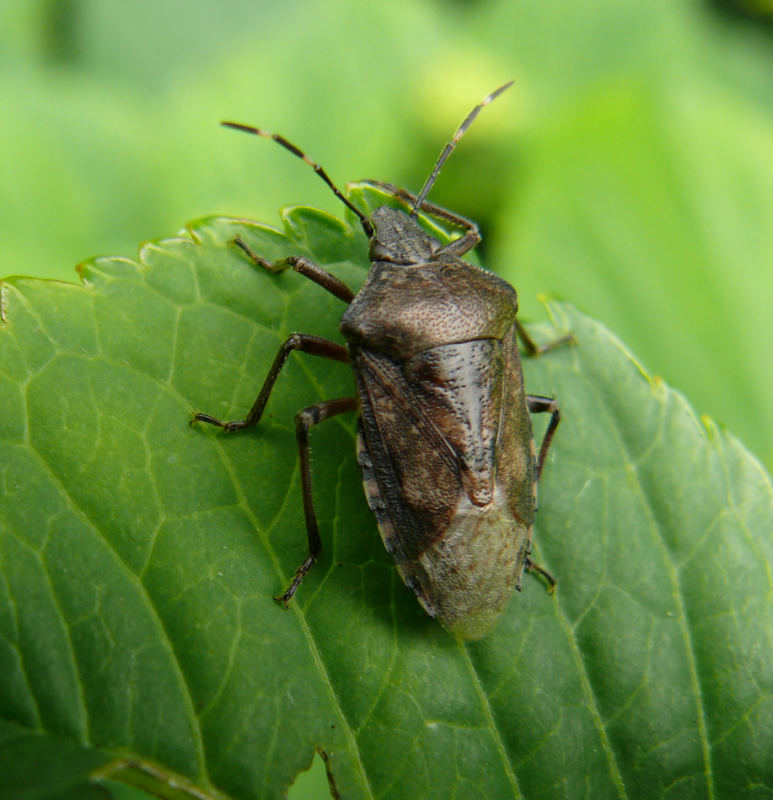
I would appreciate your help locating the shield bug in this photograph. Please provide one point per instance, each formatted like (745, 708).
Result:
(444, 438)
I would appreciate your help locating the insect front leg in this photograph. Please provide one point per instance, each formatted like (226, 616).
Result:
(304, 420)
(305, 343)
(303, 267)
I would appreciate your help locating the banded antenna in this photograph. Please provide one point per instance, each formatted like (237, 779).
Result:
(296, 151)
(449, 148)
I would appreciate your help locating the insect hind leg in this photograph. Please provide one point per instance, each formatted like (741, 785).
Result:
(531, 566)
(304, 420)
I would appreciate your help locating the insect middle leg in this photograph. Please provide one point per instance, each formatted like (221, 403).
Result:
(305, 343)
(304, 420)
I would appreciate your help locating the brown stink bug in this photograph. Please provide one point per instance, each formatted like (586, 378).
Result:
(444, 439)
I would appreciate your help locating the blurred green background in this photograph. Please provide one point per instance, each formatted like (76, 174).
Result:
(629, 170)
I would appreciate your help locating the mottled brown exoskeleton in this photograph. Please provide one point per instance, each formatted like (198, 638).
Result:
(444, 439)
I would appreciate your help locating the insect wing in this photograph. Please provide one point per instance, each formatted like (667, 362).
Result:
(429, 451)
(417, 475)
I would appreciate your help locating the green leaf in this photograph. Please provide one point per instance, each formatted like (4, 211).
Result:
(139, 557)
(627, 207)
(34, 764)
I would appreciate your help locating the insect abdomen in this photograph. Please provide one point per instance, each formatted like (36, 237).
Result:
(471, 571)
(466, 575)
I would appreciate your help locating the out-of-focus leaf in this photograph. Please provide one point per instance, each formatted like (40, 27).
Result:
(654, 211)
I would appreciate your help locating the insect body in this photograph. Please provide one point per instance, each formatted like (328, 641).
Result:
(444, 440)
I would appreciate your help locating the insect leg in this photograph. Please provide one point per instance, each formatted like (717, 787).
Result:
(534, 349)
(302, 266)
(532, 566)
(459, 246)
(315, 345)
(304, 420)
(538, 404)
